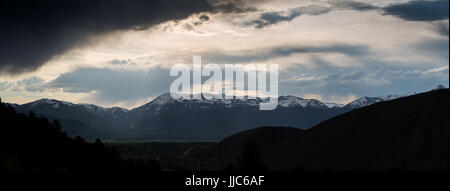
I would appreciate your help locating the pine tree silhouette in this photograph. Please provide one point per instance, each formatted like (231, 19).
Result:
(31, 143)
(250, 159)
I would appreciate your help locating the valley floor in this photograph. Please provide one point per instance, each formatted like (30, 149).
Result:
(172, 156)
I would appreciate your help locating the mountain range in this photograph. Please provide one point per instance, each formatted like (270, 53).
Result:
(166, 118)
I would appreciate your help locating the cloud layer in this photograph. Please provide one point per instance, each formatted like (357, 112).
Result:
(271, 18)
(416, 10)
(111, 86)
(420, 10)
(264, 54)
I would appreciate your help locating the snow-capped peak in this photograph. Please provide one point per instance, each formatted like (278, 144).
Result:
(363, 102)
(57, 104)
(162, 99)
(157, 103)
(366, 101)
(293, 101)
(54, 103)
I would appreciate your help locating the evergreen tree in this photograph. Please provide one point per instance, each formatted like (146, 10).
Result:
(31, 143)
(250, 159)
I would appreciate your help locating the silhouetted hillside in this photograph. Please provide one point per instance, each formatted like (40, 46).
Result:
(231, 147)
(410, 133)
(29, 143)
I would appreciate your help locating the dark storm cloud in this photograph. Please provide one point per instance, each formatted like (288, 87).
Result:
(118, 62)
(33, 32)
(235, 6)
(270, 18)
(412, 11)
(437, 48)
(420, 10)
(202, 19)
(29, 84)
(264, 54)
(442, 27)
(352, 5)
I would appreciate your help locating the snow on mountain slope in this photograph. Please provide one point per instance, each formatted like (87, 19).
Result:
(163, 100)
(363, 102)
(283, 101)
(334, 105)
(366, 101)
(155, 105)
(292, 101)
(62, 105)
(53, 103)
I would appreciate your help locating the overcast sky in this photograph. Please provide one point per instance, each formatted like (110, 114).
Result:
(119, 53)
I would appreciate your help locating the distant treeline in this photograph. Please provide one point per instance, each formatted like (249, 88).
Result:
(30, 143)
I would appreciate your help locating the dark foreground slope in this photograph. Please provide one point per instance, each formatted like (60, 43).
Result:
(231, 147)
(29, 143)
(410, 133)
